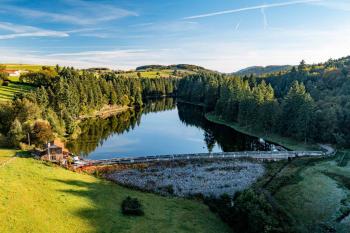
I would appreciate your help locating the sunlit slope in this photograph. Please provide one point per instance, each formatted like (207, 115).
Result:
(8, 92)
(319, 197)
(37, 197)
(27, 67)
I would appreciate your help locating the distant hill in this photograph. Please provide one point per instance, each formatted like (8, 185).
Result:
(171, 67)
(261, 70)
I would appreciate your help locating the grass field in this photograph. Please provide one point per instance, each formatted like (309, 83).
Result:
(150, 74)
(316, 193)
(288, 143)
(27, 67)
(38, 197)
(8, 92)
(156, 73)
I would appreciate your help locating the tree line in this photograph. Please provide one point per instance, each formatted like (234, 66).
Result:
(63, 94)
(4, 81)
(310, 103)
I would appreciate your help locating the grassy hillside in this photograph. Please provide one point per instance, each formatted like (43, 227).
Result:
(151, 73)
(27, 67)
(38, 197)
(7, 92)
(260, 70)
(316, 193)
(158, 73)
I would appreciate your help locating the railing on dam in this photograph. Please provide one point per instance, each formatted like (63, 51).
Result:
(262, 155)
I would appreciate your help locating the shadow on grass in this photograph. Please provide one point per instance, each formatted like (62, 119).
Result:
(105, 212)
(102, 210)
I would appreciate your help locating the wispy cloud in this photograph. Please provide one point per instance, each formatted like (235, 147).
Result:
(263, 6)
(27, 31)
(237, 26)
(113, 53)
(341, 5)
(263, 13)
(78, 12)
(171, 26)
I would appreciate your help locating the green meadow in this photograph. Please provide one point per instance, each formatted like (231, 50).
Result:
(8, 92)
(27, 67)
(40, 197)
(316, 193)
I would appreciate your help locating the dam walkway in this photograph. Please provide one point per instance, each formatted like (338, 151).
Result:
(259, 155)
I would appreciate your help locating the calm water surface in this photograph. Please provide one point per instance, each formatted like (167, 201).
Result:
(161, 127)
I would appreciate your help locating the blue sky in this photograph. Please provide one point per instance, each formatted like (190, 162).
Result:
(223, 35)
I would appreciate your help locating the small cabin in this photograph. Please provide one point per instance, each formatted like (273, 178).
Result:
(53, 151)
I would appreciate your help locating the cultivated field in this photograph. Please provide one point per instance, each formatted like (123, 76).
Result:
(8, 92)
(27, 67)
(39, 197)
(155, 73)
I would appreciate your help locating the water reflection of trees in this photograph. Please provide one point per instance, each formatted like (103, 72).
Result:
(159, 105)
(95, 131)
(226, 138)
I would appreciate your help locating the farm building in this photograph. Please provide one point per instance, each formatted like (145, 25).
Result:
(53, 151)
(12, 73)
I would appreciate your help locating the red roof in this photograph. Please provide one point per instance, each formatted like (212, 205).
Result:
(9, 71)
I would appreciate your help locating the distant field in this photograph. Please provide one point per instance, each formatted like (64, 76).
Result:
(152, 74)
(38, 197)
(8, 92)
(27, 67)
(157, 73)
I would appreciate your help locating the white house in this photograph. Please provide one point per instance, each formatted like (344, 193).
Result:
(13, 73)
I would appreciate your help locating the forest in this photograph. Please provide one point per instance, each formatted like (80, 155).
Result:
(310, 103)
(63, 94)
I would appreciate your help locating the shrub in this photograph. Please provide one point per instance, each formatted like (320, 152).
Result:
(25, 147)
(168, 189)
(132, 206)
(249, 212)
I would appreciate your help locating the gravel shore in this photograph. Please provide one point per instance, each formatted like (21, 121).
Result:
(192, 178)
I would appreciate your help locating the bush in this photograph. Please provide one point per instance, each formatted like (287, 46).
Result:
(5, 83)
(249, 212)
(25, 147)
(132, 206)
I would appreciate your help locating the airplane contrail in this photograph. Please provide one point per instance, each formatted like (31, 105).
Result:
(251, 8)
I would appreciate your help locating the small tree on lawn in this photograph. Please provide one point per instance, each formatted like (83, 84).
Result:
(132, 206)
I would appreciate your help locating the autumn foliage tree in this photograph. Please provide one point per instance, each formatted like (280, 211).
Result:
(41, 133)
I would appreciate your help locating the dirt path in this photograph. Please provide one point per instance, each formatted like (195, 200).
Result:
(7, 162)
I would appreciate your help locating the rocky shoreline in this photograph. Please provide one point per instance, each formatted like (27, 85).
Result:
(210, 178)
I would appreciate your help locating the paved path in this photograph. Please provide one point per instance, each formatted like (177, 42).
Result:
(329, 150)
(260, 155)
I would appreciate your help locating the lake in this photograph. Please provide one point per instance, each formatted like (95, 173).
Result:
(163, 126)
